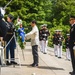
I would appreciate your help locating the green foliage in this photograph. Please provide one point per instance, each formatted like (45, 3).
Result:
(65, 30)
(55, 13)
(62, 9)
(29, 10)
(21, 44)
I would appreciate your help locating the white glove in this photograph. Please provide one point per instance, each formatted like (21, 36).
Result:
(2, 11)
(73, 47)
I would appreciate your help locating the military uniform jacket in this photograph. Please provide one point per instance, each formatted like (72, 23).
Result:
(40, 35)
(55, 39)
(45, 34)
(10, 32)
(60, 39)
(72, 36)
(67, 42)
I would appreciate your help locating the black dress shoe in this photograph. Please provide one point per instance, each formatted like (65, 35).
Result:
(35, 65)
(55, 55)
(59, 57)
(44, 53)
(7, 63)
(14, 63)
(72, 73)
(31, 64)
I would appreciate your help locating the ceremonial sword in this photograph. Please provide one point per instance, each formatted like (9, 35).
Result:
(7, 4)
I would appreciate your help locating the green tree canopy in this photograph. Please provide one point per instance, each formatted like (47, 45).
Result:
(55, 13)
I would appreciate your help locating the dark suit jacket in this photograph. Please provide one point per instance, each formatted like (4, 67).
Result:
(72, 37)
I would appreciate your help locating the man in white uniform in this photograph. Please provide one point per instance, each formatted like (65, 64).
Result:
(41, 38)
(34, 36)
(67, 47)
(60, 44)
(55, 42)
(45, 35)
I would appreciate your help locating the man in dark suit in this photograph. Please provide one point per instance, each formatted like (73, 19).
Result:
(72, 43)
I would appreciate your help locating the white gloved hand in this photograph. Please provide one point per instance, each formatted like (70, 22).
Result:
(2, 11)
(73, 47)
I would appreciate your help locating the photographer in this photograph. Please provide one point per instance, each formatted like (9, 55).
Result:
(12, 44)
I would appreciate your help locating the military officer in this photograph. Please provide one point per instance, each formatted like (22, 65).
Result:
(45, 34)
(72, 43)
(41, 38)
(11, 46)
(67, 47)
(55, 42)
(60, 39)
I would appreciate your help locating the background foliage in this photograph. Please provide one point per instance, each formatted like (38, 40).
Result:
(55, 13)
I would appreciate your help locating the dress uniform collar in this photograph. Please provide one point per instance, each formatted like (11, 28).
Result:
(72, 24)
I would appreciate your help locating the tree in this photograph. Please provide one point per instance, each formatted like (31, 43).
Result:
(55, 13)
(62, 9)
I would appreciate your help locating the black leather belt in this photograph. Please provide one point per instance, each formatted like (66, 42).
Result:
(9, 33)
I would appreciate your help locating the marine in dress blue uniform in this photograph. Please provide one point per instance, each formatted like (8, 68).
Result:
(12, 45)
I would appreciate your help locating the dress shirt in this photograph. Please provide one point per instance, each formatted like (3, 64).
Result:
(34, 36)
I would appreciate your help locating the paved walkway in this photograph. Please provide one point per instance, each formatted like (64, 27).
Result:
(48, 64)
